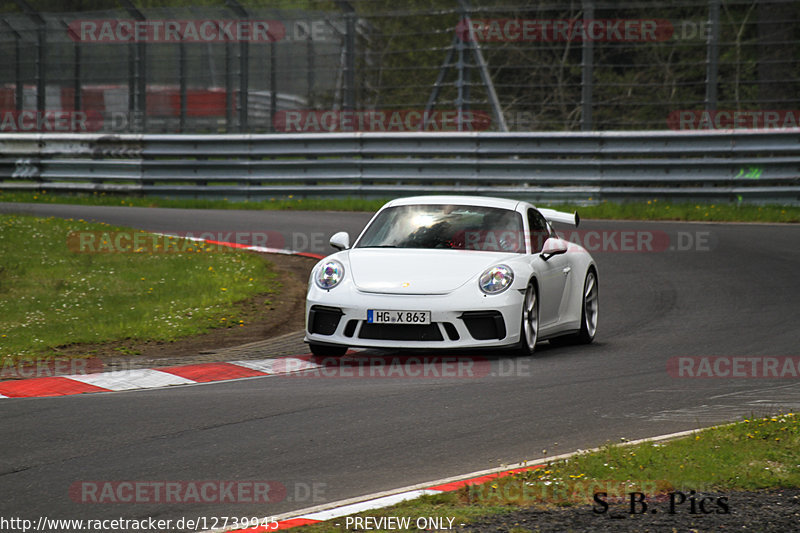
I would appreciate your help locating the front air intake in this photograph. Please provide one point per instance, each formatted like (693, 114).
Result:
(323, 320)
(484, 325)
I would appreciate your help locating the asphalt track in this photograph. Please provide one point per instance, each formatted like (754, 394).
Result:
(732, 292)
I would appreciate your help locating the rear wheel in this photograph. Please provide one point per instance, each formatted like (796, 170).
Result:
(327, 350)
(591, 309)
(529, 328)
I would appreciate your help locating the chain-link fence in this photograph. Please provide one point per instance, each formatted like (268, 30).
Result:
(375, 65)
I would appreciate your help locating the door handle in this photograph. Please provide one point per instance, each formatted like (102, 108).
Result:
(566, 270)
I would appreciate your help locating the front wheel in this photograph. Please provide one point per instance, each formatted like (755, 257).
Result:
(327, 350)
(529, 328)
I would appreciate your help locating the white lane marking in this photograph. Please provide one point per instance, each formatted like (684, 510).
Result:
(756, 392)
(371, 500)
(386, 501)
(144, 378)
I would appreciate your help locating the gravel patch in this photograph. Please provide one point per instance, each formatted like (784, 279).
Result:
(763, 511)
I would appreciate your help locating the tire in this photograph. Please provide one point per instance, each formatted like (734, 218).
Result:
(590, 309)
(589, 312)
(529, 322)
(327, 350)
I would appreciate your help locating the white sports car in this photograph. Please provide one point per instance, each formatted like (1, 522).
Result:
(453, 272)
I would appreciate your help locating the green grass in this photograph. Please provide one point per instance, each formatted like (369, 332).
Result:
(289, 202)
(52, 296)
(645, 210)
(755, 454)
(707, 212)
(760, 453)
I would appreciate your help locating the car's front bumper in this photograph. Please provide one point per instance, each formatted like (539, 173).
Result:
(462, 319)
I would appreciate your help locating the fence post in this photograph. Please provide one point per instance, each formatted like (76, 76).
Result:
(244, 66)
(137, 72)
(712, 55)
(182, 82)
(41, 54)
(229, 93)
(587, 71)
(349, 103)
(76, 68)
(273, 85)
(19, 88)
(483, 68)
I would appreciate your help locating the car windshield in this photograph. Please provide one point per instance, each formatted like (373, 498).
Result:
(461, 227)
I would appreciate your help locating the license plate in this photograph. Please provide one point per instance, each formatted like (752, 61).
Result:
(377, 316)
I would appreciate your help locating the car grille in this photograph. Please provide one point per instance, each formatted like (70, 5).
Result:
(405, 332)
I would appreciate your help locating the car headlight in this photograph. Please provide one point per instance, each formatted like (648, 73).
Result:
(496, 279)
(329, 274)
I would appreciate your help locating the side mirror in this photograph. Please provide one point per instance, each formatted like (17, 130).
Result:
(553, 246)
(341, 240)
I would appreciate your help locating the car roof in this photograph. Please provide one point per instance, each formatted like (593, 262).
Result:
(485, 201)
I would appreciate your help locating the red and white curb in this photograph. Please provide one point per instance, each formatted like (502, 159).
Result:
(362, 504)
(124, 380)
(350, 507)
(152, 378)
(248, 247)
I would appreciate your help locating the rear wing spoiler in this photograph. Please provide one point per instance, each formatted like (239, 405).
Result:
(559, 216)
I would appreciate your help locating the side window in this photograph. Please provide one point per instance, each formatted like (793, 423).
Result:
(538, 230)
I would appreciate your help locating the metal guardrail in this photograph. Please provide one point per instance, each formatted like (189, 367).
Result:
(744, 166)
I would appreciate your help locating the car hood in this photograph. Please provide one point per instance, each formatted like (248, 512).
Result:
(409, 271)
